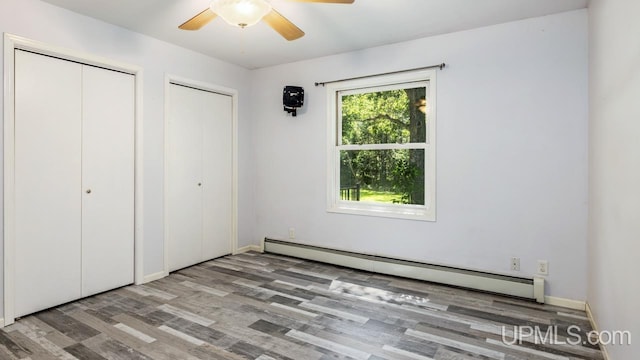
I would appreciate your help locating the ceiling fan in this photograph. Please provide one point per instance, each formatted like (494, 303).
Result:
(243, 13)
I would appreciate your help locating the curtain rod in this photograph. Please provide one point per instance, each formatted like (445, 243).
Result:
(439, 66)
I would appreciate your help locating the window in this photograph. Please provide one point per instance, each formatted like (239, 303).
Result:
(381, 146)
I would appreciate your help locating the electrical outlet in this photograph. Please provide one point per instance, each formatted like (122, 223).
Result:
(292, 233)
(515, 263)
(543, 267)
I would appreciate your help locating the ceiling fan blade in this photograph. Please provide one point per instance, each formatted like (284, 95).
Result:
(283, 26)
(198, 21)
(327, 1)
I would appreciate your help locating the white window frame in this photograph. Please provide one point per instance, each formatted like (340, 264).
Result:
(426, 212)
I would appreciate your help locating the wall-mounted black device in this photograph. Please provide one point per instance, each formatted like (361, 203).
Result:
(292, 99)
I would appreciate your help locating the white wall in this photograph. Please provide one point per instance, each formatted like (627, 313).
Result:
(43, 22)
(511, 155)
(511, 141)
(614, 169)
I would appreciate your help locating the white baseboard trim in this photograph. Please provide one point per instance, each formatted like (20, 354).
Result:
(247, 248)
(594, 326)
(153, 277)
(567, 303)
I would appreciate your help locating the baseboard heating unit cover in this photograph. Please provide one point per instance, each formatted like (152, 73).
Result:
(530, 288)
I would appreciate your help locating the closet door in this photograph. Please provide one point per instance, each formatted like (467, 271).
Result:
(108, 114)
(217, 177)
(199, 203)
(187, 110)
(47, 181)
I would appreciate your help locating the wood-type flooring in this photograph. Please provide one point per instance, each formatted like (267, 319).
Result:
(264, 306)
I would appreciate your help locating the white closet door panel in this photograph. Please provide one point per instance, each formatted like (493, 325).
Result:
(47, 181)
(107, 179)
(187, 107)
(217, 176)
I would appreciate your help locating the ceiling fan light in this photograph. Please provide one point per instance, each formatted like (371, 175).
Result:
(241, 13)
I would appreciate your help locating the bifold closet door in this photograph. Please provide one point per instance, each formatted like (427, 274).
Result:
(199, 199)
(108, 115)
(48, 94)
(74, 181)
(217, 177)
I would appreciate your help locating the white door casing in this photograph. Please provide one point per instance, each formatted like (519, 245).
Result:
(12, 43)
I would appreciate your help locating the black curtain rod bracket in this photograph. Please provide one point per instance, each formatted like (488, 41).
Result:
(439, 66)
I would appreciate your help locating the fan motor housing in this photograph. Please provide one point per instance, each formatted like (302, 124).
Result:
(292, 99)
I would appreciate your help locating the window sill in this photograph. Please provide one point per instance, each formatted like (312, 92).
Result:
(405, 212)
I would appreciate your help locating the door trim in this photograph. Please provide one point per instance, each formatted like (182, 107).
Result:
(11, 44)
(199, 85)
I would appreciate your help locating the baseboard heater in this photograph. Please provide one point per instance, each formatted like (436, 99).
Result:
(529, 288)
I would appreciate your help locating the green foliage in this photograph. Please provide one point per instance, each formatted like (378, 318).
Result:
(380, 196)
(405, 174)
(382, 118)
(375, 118)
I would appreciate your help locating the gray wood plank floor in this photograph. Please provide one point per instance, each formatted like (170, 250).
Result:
(263, 306)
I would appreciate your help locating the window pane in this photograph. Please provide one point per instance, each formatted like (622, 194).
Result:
(382, 176)
(384, 117)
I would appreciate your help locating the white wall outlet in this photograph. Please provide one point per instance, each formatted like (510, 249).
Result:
(292, 233)
(515, 263)
(543, 267)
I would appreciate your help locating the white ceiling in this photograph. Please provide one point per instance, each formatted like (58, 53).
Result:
(329, 28)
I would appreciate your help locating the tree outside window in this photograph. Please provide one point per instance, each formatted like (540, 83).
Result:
(382, 154)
